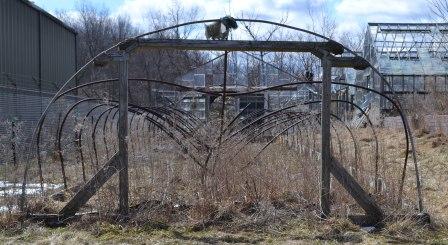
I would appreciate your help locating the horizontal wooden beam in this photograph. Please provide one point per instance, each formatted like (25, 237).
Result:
(230, 90)
(232, 45)
(244, 89)
(358, 63)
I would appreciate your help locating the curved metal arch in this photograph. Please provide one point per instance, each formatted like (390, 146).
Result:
(141, 120)
(38, 152)
(151, 111)
(79, 139)
(408, 132)
(300, 119)
(267, 125)
(104, 133)
(185, 133)
(155, 113)
(60, 128)
(191, 23)
(275, 137)
(180, 116)
(59, 135)
(372, 127)
(354, 140)
(368, 89)
(252, 123)
(283, 131)
(375, 135)
(73, 106)
(140, 79)
(130, 134)
(351, 133)
(279, 86)
(113, 80)
(93, 134)
(205, 21)
(394, 103)
(171, 135)
(276, 123)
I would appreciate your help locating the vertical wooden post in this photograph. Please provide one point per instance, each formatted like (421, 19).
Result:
(224, 88)
(123, 135)
(325, 138)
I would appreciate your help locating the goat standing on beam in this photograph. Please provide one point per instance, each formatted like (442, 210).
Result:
(219, 30)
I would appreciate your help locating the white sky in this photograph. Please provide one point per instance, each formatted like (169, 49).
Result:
(349, 14)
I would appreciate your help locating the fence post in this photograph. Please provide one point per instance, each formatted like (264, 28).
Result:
(123, 134)
(13, 143)
(325, 138)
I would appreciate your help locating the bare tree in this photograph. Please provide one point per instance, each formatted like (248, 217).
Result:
(97, 29)
(122, 28)
(256, 69)
(169, 64)
(354, 40)
(175, 15)
(322, 20)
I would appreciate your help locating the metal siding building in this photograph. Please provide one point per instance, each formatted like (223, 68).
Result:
(37, 54)
(35, 44)
(19, 25)
(58, 47)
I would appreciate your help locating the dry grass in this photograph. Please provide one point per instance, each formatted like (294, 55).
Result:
(274, 199)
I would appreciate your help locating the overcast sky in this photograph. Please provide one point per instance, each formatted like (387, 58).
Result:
(349, 14)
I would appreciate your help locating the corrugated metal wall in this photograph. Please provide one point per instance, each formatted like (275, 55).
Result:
(34, 45)
(37, 54)
(19, 39)
(58, 52)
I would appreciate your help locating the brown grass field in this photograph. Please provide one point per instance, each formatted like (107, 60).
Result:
(271, 201)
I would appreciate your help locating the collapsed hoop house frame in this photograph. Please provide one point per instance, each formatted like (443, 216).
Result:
(328, 51)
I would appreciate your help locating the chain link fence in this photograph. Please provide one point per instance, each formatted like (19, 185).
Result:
(22, 101)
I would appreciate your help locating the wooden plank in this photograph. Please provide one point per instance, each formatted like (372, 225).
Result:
(123, 205)
(325, 139)
(233, 45)
(355, 190)
(356, 62)
(91, 187)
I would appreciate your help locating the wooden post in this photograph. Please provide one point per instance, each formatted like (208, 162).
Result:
(223, 104)
(325, 138)
(123, 135)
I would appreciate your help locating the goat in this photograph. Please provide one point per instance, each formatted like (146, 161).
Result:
(219, 30)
